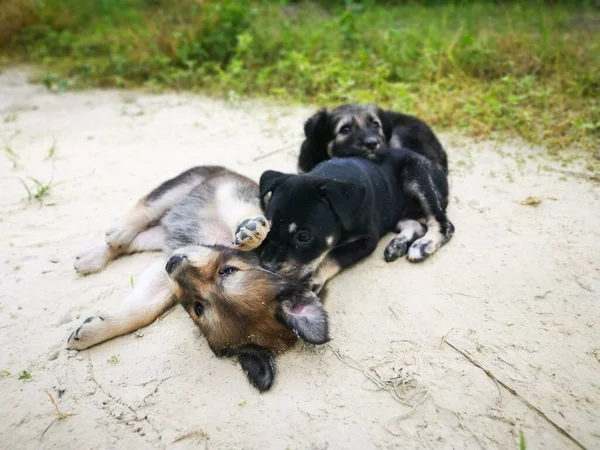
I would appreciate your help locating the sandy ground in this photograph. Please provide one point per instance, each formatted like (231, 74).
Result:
(517, 290)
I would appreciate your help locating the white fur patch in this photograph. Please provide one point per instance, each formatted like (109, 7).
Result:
(292, 228)
(410, 229)
(231, 208)
(428, 244)
(329, 241)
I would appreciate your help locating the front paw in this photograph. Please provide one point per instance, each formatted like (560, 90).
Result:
(93, 259)
(88, 334)
(251, 232)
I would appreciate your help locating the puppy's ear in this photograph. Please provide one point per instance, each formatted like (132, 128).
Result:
(386, 123)
(346, 200)
(317, 130)
(259, 366)
(306, 317)
(317, 124)
(269, 181)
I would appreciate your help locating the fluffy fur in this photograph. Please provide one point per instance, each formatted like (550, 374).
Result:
(207, 222)
(334, 216)
(367, 131)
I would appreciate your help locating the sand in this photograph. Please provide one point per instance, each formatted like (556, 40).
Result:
(517, 290)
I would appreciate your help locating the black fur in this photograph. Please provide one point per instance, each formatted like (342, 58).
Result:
(346, 205)
(371, 132)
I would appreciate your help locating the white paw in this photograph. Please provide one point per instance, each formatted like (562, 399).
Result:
(120, 235)
(423, 248)
(93, 259)
(251, 232)
(88, 333)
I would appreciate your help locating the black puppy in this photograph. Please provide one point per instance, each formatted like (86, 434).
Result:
(332, 217)
(368, 131)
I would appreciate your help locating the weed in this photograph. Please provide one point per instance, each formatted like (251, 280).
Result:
(131, 282)
(114, 359)
(5, 373)
(51, 151)
(522, 445)
(16, 268)
(55, 82)
(242, 403)
(25, 376)
(10, 152)
(11, 117)
(525, 68)
(39, 190)
(479, 347)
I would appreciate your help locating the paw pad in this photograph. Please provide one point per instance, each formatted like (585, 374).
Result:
(250, 233)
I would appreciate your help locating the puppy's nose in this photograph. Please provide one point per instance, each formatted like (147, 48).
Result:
(371, 143)
(174, 262)
(271, 266)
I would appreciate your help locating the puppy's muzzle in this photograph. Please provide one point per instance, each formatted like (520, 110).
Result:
(371, 143)
(174, 262)
(271, 266)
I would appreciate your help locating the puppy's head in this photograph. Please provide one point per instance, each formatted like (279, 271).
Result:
(309, 217)
(349, 130)
(243, 309)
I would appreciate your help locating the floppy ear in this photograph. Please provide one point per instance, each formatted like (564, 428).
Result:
(307, 318)
(346, 200)
(269, 181)
(259, 366)
(386, 123)
(317, 130)
(317, 124)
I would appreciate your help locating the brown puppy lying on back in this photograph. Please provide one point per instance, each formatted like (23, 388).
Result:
(207, 221)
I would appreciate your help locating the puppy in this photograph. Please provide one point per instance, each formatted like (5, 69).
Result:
(333, 217)
(361, 130)
(208, 223)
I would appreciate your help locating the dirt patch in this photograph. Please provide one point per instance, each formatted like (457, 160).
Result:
(517, 289)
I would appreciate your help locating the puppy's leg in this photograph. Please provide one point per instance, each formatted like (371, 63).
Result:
(156, 204)
(243, 217)
(431, 198)
(150, 297)
(409, 230)
(339, 258)
(439, 231)
(97, 258)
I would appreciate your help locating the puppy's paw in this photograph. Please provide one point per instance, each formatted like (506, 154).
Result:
(120, 235)
(397, 248)
(422, 249)
(251, 232)
(89, 333)
(93, 259)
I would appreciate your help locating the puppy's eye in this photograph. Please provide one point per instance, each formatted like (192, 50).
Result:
(345, 129)
(303, 236)
(228, 270)
(198, 308)
(375, 125)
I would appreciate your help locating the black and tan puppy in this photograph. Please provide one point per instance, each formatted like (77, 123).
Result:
(207, 222)
(367, 131)
(334, 216)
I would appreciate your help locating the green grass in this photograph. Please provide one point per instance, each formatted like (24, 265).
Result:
(38, 190)
(517, 68)
(25, 376)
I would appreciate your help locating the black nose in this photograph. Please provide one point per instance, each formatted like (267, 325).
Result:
(271, 266)
(173, 262)
(371, 143)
